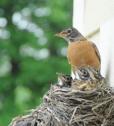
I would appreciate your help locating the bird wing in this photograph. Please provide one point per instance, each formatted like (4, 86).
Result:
(96, 51)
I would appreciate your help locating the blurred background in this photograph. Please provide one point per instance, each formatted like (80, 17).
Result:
(30, 54)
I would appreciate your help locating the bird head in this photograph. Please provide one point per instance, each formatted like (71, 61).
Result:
(70, 35)
(64, 80)
(89, 73)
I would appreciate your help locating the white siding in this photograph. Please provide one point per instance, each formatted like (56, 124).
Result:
(107, 49)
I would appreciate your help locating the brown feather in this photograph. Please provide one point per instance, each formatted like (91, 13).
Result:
(83, 54)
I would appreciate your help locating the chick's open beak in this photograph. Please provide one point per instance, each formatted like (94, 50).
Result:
(61, 76)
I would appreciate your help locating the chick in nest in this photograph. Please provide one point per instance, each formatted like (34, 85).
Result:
(88, 79)
(64, 80)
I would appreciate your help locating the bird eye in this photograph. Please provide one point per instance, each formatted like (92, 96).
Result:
(84, 74)
(68, 78)
(69, 31)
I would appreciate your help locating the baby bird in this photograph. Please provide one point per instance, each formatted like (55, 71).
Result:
(64, 80)
(88, 73)
(88, 79)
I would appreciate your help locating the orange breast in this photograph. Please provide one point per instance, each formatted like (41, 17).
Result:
(82, 54)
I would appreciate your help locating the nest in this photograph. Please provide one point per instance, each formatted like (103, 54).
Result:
(66, 106)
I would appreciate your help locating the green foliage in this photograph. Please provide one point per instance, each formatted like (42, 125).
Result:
(30, 54)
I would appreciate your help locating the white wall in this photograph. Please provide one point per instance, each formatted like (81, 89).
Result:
(107, 49)
(89, 14)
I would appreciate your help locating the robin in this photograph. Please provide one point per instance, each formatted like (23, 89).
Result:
(64, 80)
(89, 73)
(90, 79)
(81, 52)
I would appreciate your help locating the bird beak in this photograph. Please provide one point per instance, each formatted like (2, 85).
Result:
(60, 75)
(61, 34)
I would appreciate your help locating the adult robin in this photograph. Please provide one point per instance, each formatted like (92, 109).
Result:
(81, 52)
